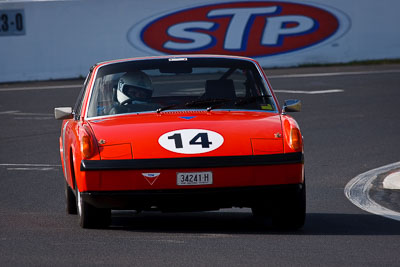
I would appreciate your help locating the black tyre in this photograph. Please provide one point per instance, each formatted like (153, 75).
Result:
(90, 216)
(261, 211)
(70, 200)
(286, 209)
(290, 214)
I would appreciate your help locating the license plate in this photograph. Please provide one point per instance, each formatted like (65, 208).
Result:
(194, 178)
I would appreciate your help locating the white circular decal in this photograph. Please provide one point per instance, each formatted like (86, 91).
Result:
(191, 141)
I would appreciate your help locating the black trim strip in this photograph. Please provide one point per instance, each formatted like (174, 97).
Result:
(193, 162)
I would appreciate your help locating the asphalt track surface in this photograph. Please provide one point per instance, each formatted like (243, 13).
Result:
(350, 126)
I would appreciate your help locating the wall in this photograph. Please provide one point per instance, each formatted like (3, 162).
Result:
(42, 40)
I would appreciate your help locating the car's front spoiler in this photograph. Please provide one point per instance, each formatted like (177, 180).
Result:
(192, 162)
(191, 199)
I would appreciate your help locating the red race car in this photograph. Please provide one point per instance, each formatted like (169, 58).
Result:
(181, 133)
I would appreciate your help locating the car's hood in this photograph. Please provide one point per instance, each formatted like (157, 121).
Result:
(183, 134)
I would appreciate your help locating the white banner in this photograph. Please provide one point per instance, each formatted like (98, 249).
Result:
(62, 39)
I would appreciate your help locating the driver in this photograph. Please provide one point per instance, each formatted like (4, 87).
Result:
(134, 88)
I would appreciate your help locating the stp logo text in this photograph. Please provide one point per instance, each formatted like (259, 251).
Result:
(254, 29)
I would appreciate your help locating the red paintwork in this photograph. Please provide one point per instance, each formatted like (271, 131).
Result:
(143, 131)
(136, 136)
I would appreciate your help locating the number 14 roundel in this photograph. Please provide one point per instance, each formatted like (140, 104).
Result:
(191, 141)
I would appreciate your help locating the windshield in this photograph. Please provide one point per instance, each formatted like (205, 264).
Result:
(159, 85)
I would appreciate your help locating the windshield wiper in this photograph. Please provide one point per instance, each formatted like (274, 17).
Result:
(220, 103)
(251, 99)
(166, 107)
(209, 103)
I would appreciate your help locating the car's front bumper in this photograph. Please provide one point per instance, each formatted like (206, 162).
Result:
(227, 172)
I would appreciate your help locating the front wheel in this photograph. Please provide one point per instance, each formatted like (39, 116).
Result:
(70, 200)
(287, 209)
(90, 216)
(291, 212)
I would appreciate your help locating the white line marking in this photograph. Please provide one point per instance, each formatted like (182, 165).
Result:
(392, 181)
(19, 113)
(32, 169)
(34, 118)
(357, 191)
(41, 87)
(310, 92)
(30, 165)
(8, 112)
(328, 74)
(34, 115)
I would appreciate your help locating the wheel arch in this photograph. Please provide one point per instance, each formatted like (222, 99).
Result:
(72, 168)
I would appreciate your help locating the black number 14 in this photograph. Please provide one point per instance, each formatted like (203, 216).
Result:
(199, 139)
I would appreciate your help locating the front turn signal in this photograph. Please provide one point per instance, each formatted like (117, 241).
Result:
(87, 148)
(296, 142)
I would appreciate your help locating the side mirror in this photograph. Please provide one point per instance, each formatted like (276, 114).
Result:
(63, 113)
(291, 105)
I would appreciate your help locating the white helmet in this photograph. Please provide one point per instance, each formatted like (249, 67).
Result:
(135, 86)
